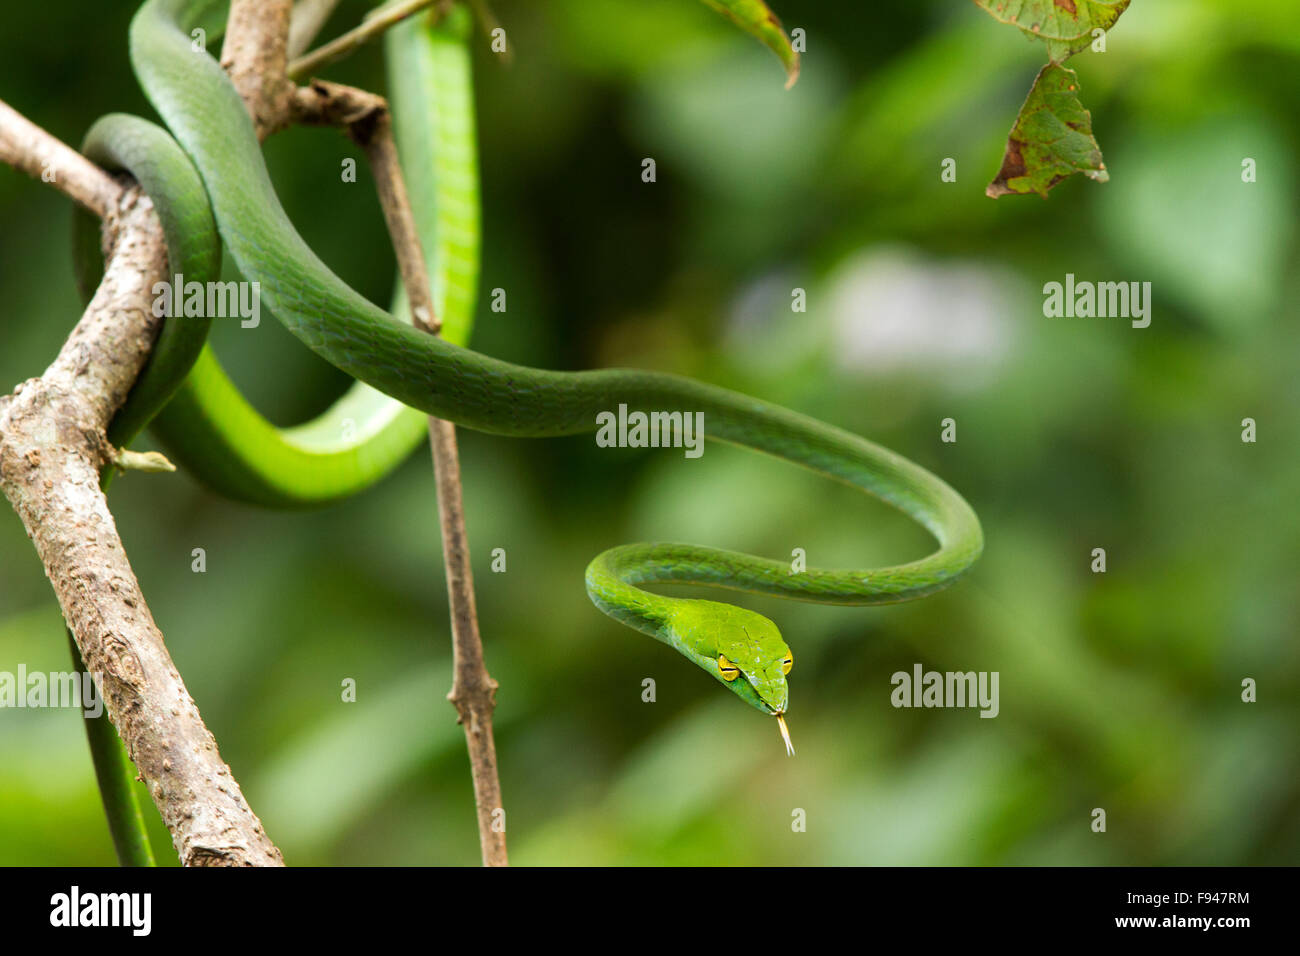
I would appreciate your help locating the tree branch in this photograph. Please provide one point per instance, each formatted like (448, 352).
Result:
(473, 691)
(255, 55)
(27, 147)
(52, 447)
(374, 24)
(309, 18)
(368, 122)
(366, 119)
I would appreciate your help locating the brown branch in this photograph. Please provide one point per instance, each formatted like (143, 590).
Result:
(322, 103)
(473, 691)
(366, 119)
(255, 55)
(52, 447)
(381, 151)
(368, 122)
(27, 147)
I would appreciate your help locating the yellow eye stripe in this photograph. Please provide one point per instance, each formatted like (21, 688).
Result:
(730, 671)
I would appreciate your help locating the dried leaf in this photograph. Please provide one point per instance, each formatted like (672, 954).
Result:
(754, 17)
(1066, 26)
(1051, 140)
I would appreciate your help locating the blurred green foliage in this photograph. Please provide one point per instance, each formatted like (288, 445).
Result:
(1118, 690)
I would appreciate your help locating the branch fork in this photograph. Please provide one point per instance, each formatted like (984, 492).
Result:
(53, 448)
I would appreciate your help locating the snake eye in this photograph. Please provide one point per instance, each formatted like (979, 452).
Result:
(787, 662)
(729, 670)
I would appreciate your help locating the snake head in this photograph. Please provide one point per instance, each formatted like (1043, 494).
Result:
(742, 649)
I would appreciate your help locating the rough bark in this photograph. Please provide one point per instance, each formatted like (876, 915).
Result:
(52, 448)
(27, 147)
(255, 55)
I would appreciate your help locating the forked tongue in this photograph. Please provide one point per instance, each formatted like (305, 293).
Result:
(785, 732)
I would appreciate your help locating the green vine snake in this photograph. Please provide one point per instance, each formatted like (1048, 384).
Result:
(216, 183)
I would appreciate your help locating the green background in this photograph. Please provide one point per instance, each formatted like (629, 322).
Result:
(1119, 690)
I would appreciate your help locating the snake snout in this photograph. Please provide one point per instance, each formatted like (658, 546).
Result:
(773, 693)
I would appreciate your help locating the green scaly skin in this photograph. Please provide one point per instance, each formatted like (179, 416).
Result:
(208, 426)
(205, 114)
(203, 421)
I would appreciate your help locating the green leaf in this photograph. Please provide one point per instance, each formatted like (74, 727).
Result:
(1051, 140)
(754, 17)
(1064, 25)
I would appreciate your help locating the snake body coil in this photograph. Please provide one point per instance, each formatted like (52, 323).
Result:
(741, 649)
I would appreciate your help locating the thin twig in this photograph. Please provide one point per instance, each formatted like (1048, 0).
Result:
(366, 118)
(473, 691)
(322, 103)
(309, 18)
(370, 28)
(368, 121)
(27, 147)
